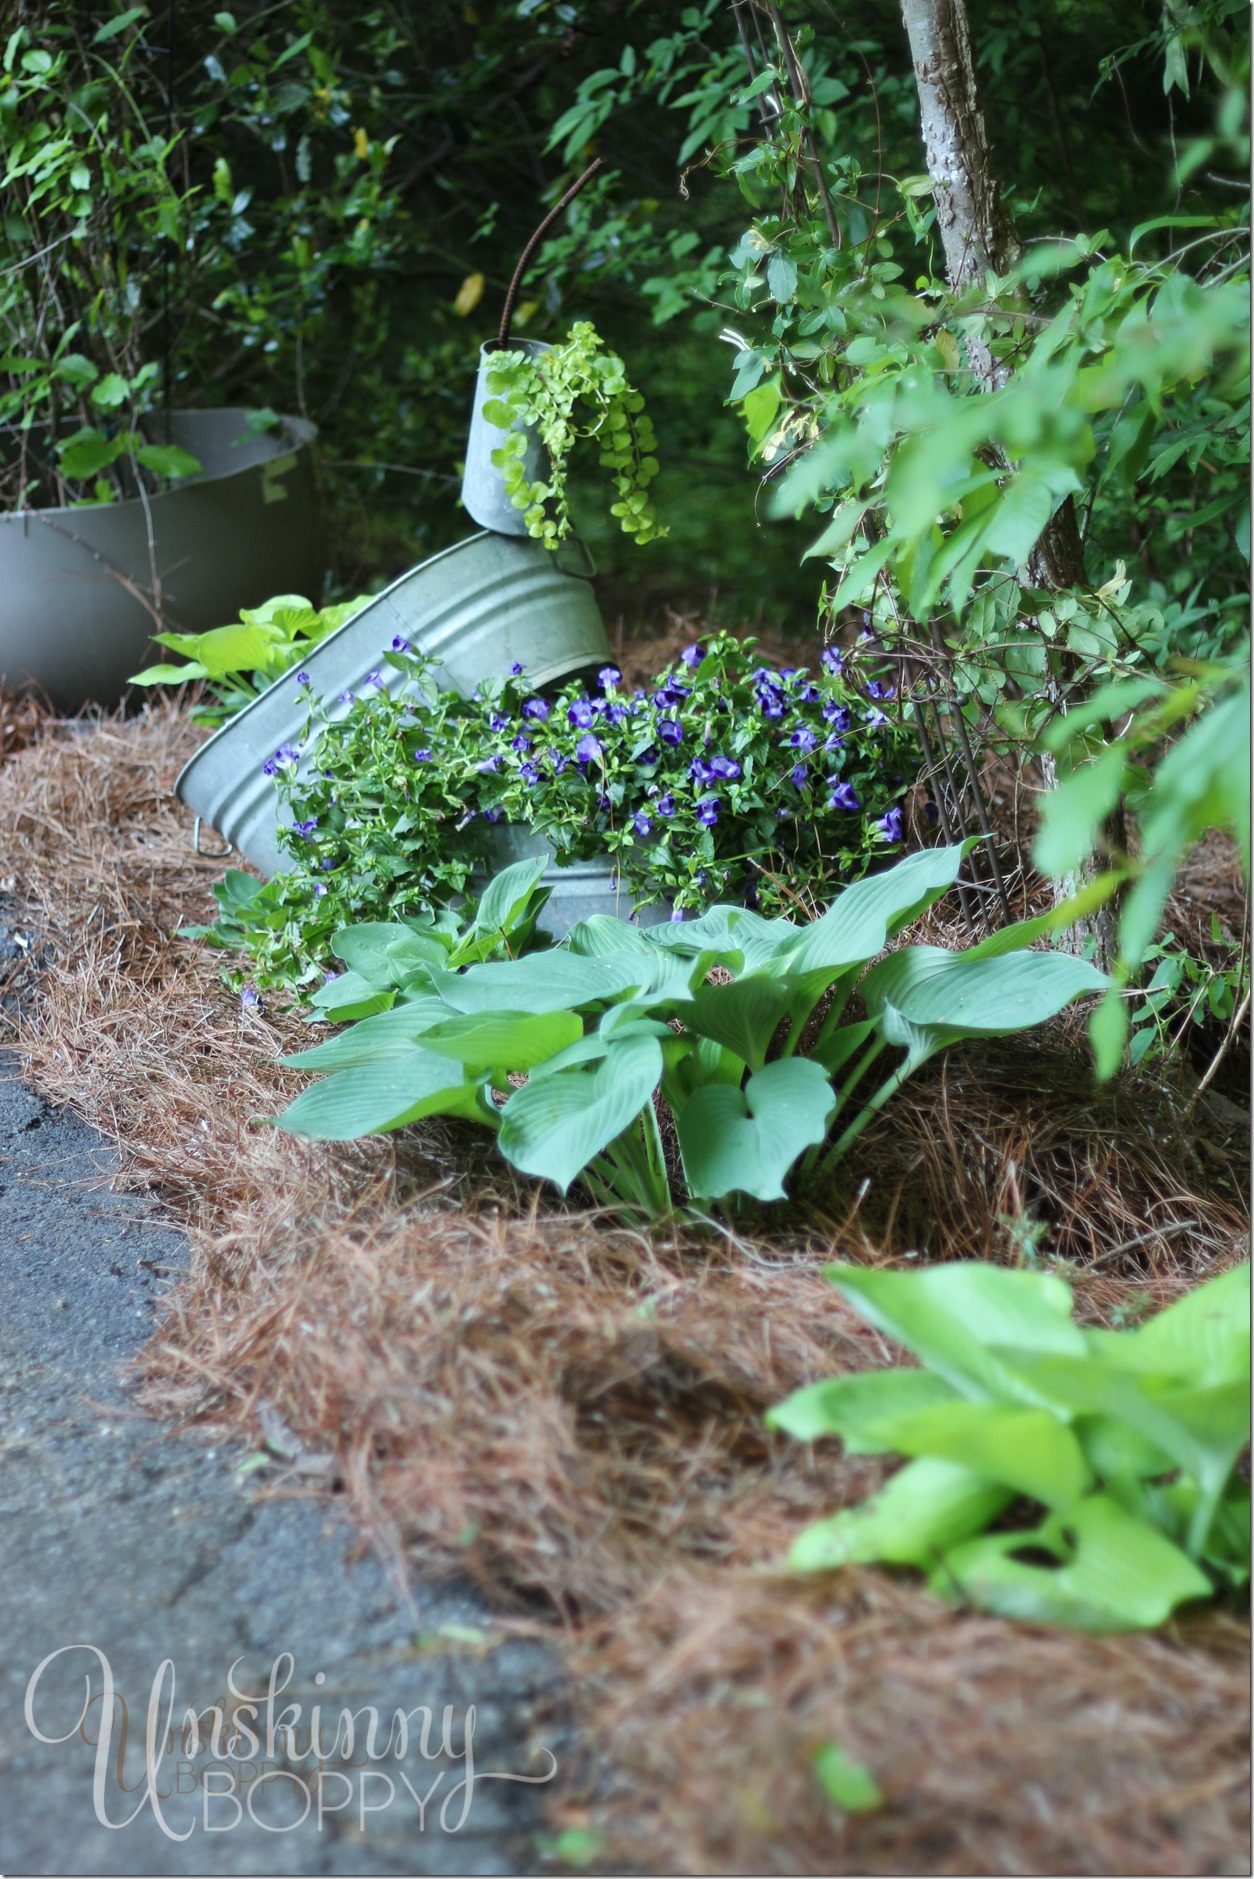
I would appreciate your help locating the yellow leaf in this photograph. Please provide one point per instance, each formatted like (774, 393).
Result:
(470, 16)
(947, 346)
(469, 294)
(523, 313)
(361, 143)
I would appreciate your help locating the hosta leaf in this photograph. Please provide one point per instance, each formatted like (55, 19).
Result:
(506, 895)
(366, 949)
(384, 1095)
(742, 1016)
(555, 1125)
(512, 1040)
(1203, 1338)
(1029, 1450)
(855, 1407)
(352, 996)
(865, 916)
(390, 1033)
(948, 1315)
(836, 1049)
(1116, 1573)
(547, 981)
(924, 1510)
(745, 1141)
(943, 997)
(602, 933)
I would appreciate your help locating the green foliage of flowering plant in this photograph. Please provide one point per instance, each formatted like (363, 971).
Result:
(606, 1023)
(573, 392)
(241, 660)
(1126, 1441)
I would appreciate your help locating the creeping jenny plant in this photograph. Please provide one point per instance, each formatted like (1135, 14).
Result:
(1124, 1442)
(614, 1018)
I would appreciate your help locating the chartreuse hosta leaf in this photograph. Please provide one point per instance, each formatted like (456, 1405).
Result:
(385, 1095)
(1128, 1438)
(927, 998)
(555, 1125)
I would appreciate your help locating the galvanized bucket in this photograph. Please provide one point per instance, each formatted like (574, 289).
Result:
(478, 608)
(579, 890)
(483, 485)
(82, 591)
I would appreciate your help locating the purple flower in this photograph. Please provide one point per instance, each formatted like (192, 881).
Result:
(875, 717)
(838, 716)
(833, 742)
(329, 977)
(770, 702)
(302, 678)
(807, 691)
(588, 749)
(521, 743)
(284, 756)
(529, 774)
(493, 815)
(692, 655)
(499, 723)
(890, 825)
(699, 770)
(725, 767)
(346, 698)
(803, 738)
(489, 763)
(319, 890)
(665, 805)
(664, 699)
(641, 823)
(650, 756)
(874, 689)
(250, 999)
(799, 776)
(327, 862)
(608, 677)
(581, 714)
(536, 708)
(707, 810)
(422, 756)
(833, 659)
(399, 644)
(376, 679)
(844, 796)
(677, 916)
(617, 714)
(304, 828)
(516, 670)
(671, 731)
(560, 763)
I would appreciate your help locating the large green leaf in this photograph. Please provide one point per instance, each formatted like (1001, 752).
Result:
(505, 897)
(927, 998)
(1115, 1572)
(865, 916)
(856, 1407)
(389, 1033)
(1029, 1450)
(510, 1040)
(384, 1095)
(924, 1510)
(603, 933)
(351, 996)
(367, 950)
(1203, 1338)
(745, 1141)
(546, 981)
(742, 1016)
(949, 1315)
(555, 1125)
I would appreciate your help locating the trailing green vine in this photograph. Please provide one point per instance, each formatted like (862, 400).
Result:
(575, 391)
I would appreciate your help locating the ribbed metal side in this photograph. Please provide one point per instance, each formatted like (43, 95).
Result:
(478, 608)
(578, 891)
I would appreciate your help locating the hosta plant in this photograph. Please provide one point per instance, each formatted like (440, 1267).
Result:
(1057, 1474)
(575, 392)
(613, 1020)
(240, 661)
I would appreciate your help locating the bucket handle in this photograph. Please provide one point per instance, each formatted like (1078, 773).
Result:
(507, 316)
(209, 854)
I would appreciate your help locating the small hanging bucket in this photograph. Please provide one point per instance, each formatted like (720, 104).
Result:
(483, 482)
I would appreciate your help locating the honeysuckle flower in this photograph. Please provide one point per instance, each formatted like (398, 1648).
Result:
(803, 738)
(833, 659)
(346, 698)
(875, 717)
(770, 703)
(493, 815)
(499, 722)
(641, 823)
(492, 764)
(536, 708)
(375, 678)
(521, 743)
(844, 796)
(581, 714)
(617, 714)
(560, 763)
(677, 916)
(707, 810)
(799, 776)
(284, 757)
(665, 805)
(874, 689)
(671, 732)
(807, 691)
(700, 771)
(399, 644)
(693, 655)
(529, 774)
(608, 677)
(588, 749)
(302, 678)
(304, 828)
(422, 756)
(890, 825)
(838, 716)
(319, 889)
(724, 767)
(250, 999)
(516, 670)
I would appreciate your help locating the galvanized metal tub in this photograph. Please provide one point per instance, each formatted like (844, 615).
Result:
(82, 591)
(578, 890)
(483, 485)
(477, 608)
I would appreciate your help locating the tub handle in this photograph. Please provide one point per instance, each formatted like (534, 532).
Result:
(209, 854)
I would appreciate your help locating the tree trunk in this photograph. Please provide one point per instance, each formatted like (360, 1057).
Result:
(979, 237)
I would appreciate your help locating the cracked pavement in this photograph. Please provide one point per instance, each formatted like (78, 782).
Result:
(123, 1546)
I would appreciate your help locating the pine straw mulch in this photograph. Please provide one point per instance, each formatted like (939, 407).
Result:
(572, 1411)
